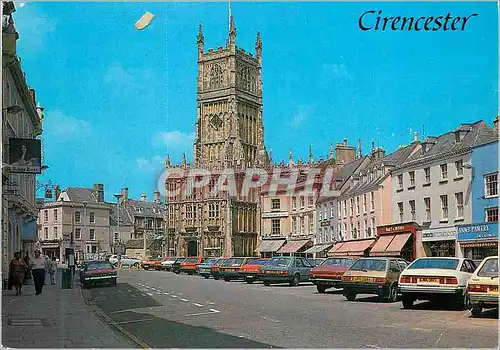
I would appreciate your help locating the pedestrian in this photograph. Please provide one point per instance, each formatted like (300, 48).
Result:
(27, 275)
(38, 265)
(17, 271)
(52, 270)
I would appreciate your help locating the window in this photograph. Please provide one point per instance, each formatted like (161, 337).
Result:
(373, 227)
(459, 197)
(364, 203)
(444, 207)
(320, 214)
(294, 225)
(55, 215)
(77, 216)
(275, 204)
(189, 212)
(412, 210)
(56, 233)
(366, 228)
(294, 203)
(401, 211)
(213, 210)
(302, 201)
(311, 223)
(492, 214)
(351, 206)
(345, 208)
(302, 225)
(359, 229)
(339, 209)
(491, 185)
(311, 201)
(400, 182)
(78, 233)
(92, 217)
(116, 237)
(412, 178)
(427, 173)
(276, 226)
(427, 204)
(92, 234)
(339, 228)
(444, 171)
(332, 210)
(46, 232)
(345, 231)
(357, 205)
(324, 211)
(46, 214)
(459, 167)
(372, 201)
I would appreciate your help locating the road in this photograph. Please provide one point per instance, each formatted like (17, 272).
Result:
(163, 309)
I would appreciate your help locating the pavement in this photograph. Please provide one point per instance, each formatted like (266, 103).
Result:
(57, 318)
(162, 309)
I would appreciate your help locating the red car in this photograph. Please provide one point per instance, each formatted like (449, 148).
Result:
(190, 265)
(251, 269)
(329, 273)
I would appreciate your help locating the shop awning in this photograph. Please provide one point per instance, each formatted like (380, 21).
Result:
(478, 244)
(293, 246)
(354, 248)
(49, 246)
(270, 245)
(335, 248)
(381, 245)
(318, 248)
(397, 244)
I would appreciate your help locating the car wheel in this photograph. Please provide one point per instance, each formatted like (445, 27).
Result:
(321, 288)
(206, 276)
(295, 280)
(393, 293)
(227, 279)
(190, 273)
(476, 310)
(113, 282)
(216, 277)
(350, 295)
(136, 265)
(267, 283)
(249, 280)
(407, 302)
(463, 302)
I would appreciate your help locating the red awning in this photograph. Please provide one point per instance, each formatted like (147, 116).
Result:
(335, 247)
(354, 248)
(397, 244)
(293, 246)
(381, 245)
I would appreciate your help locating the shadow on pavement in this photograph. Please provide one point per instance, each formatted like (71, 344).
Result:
(489, 313)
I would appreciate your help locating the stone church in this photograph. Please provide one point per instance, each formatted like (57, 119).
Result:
(229, 134)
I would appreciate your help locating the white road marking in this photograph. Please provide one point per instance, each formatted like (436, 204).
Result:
(210, 303)
(165, 293)
(213, 310)
(131, 321)
(199, 305)
(184, 299)
(150, 294)
(270, 319)
(174, 296)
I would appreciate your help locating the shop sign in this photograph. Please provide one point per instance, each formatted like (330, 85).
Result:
(439, 234)
(395, 229)
(275, 214)
(486, 230)
(325, 223)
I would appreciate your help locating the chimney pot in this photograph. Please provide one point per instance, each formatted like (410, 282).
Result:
(143, 197)
(415, 136)
(157, 197)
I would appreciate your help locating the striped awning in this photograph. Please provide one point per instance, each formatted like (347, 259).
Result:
(478, 244)
(293, 246)
(270, 245)
(353, 248)
(318, 248)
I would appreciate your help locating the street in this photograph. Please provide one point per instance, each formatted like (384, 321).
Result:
(163, 309)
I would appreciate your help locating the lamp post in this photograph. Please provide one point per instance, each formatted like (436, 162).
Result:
(118, 197)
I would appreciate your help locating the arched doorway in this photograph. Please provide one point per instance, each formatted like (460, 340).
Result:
(192, 248)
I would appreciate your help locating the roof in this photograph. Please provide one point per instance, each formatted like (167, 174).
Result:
(125, 218)
(143, 208)
(478, 134)
(80, 194)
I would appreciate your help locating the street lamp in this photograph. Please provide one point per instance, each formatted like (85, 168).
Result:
(118, 197)
(14, 109)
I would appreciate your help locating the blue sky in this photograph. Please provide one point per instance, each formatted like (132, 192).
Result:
(117, 100)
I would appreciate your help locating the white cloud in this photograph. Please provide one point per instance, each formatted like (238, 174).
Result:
(22, 4)
(150, 165)
(337, 71)
(127, 80)
(299, 117)
(61, 126)
(174, 140)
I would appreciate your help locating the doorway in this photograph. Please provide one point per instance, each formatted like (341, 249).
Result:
(192, 248)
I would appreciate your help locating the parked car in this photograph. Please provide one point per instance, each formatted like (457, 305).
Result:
(204, 269)
(317, 261)
(250, 271)
(189, 265)
(127, 261)
(152, 264)
(285, 269)
(377, 276)
(167, 263)
(176, 266)
(229, 269)
(97, 272)
(329, 273)
(436, 279)
(214, 270)
(113, 259)
(482, 287)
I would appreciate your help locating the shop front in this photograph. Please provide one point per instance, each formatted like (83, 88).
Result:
(478, 241)
(440, 242)
(396, 240)
(354, 248)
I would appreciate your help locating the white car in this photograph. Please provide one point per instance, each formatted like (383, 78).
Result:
(124, 261)
(167, 263)
(436, 279)
(483, 286)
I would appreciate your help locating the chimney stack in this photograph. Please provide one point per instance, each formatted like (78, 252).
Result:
(415, 136)
(143, 197)
(157, 198)
(495, 123)
(125, 195)
(57, 192)
(99, 190)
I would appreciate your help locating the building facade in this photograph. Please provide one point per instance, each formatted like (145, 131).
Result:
(229, 133)
(21, 118)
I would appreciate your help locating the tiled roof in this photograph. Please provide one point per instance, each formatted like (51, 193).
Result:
(80, 194)
(348, 169)
(125, 218)
(143, 208)
(480, 133)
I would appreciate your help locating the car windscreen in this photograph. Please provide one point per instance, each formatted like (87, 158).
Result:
(191, 260)
(233, 262)
(489, 269)
(210, 261)
(98, 266)
(369, 265)
(257, 262)
(435, 263)
(220, 262)
(280, 262)
(337, 262)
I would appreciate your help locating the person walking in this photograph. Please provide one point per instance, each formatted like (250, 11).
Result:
(17, 271)
(52, 270)
(38, 265)
(27, 275)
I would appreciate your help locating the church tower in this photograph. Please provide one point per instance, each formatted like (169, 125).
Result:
(229, 128)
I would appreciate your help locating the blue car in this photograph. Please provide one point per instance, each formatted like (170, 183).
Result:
(205, 269)
(286, 269)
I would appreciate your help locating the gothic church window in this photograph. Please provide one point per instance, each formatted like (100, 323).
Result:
(216, 77)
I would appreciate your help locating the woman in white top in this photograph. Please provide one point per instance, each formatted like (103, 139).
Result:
(38, 266)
